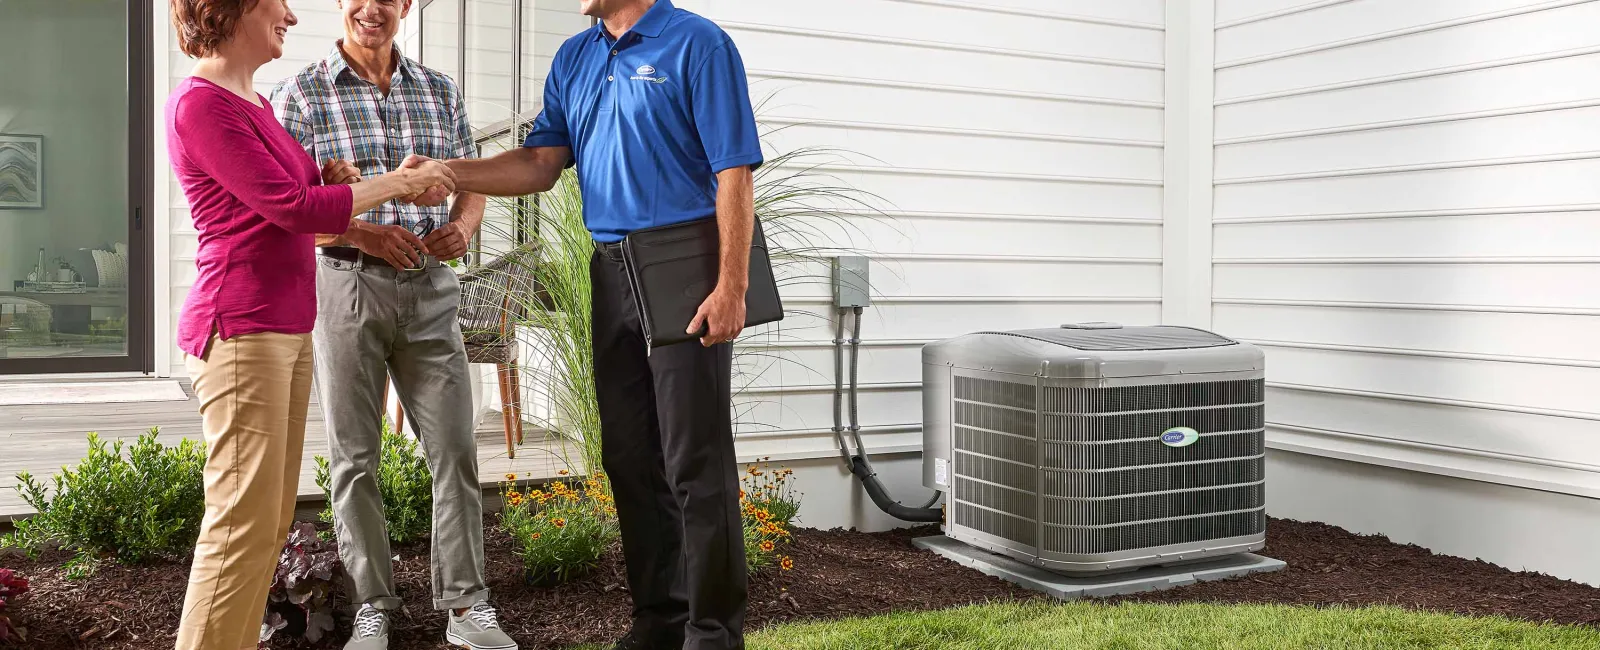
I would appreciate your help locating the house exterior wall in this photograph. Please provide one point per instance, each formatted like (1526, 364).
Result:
(1017, 146)
(1394, 199)
(1405, 205)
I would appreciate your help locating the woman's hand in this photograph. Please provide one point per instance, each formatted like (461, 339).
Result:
(340, 172)
(425, 178)
(434, 195)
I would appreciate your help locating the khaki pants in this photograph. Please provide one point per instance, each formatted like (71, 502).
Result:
(254, 391)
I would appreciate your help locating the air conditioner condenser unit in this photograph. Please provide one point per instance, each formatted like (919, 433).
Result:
(1096, 448)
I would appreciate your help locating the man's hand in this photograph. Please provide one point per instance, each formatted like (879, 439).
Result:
(340, 172)
(393, 243)
(434, 196)
(722, 314)
(448, 242)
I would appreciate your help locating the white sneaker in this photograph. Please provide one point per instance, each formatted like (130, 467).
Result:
(479, 629)
(372, 630)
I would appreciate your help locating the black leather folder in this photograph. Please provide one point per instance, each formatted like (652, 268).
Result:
(674, 269)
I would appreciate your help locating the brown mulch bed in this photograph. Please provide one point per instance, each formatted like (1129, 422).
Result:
(1332, 566)
(837, 574)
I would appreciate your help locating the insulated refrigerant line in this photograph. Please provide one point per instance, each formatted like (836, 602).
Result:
(857, 462)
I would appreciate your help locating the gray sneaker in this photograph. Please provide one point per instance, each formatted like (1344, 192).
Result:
(479, 629)
(372, 630)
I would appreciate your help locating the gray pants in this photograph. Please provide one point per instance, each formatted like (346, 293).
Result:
(372, 322)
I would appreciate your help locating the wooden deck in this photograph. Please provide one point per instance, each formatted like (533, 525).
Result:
(41, 439)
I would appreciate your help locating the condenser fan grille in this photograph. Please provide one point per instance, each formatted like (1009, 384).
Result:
(1084, 470)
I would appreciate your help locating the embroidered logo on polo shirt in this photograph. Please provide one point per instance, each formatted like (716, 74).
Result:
(644, 73)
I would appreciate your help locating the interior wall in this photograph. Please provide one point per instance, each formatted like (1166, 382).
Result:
(65, 78)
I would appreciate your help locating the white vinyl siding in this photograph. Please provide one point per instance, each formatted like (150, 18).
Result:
(1017, 147)
(1405, 218)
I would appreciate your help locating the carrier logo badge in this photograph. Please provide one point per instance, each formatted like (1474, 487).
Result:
(647, 72)
(1179, 437)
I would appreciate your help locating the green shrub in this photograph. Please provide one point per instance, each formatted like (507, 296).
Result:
(561, 532)
(768, 503)
(404, 483)
(144, 506)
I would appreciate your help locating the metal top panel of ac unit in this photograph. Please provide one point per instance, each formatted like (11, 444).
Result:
(1104, 337)
(1097, 351)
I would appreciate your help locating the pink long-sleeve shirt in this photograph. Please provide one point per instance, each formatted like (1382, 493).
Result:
(257, 200)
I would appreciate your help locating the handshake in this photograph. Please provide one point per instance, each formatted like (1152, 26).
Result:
(427, 182)
(419, 181)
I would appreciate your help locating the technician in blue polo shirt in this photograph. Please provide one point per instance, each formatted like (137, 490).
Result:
(653, 107)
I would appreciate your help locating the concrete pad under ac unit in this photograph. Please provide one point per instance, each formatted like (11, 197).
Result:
(1154, 578)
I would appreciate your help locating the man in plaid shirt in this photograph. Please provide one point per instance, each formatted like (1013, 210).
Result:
(389, 310)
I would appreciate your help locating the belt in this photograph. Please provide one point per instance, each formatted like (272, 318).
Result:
(609, 250)
(350, 254)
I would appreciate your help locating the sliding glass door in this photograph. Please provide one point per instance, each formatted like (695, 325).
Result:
(75, 186)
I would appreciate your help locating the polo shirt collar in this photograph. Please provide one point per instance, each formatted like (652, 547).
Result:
(337, 65)
(650, 24)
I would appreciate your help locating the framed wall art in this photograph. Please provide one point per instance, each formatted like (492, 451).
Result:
(21, 171)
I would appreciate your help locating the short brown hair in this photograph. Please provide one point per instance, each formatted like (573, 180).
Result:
(203, 25)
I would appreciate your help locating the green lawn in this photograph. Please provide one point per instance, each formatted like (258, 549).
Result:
(1080, 625)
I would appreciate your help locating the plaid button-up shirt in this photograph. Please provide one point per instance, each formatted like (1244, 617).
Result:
(337, 115)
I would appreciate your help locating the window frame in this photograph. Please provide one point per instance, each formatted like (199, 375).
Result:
(140, 337)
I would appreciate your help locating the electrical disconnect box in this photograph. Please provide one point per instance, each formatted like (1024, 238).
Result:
(850, 285)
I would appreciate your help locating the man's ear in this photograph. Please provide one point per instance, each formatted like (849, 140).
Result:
(405, 8)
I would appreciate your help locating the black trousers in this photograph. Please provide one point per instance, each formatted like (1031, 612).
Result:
(666, 433)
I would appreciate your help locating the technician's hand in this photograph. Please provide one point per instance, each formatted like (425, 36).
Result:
(448, 242)
(435, 195)
(340, 172)
(722, 314)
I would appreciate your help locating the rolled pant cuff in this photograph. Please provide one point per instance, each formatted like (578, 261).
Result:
(463, 601)
(385, 603)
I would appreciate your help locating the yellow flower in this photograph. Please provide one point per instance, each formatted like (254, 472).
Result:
(768, 546)
(741, 494)
(562, 472)
(535, 536)
(559, 522)
(763, 515)
(516, 500)
(787, 563)
(611, 511)
(511, 477)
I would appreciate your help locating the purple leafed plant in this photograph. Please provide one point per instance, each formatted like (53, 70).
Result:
(301, 602)
(12, 586)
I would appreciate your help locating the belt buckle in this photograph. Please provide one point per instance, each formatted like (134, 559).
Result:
(422, 267)
(422, 230)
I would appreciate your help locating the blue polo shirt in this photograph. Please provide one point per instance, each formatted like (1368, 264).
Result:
(650, 118)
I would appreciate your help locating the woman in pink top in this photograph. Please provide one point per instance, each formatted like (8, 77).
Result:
(257, 201)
